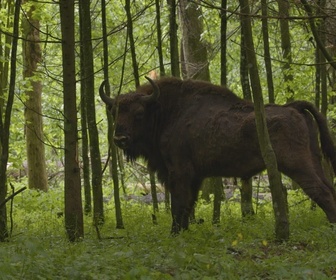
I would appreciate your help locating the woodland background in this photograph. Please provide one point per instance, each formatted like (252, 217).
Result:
(54, 130)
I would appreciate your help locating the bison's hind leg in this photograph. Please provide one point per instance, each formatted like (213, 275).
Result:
(318, 189)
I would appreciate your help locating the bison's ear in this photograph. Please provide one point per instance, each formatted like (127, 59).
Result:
(156, 92)
(107, 100)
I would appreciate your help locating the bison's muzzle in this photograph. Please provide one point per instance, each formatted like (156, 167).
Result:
(121, 141)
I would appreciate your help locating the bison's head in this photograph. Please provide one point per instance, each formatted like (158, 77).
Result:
(131, 113)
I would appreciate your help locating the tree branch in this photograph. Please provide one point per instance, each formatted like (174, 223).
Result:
(12, 196)
(315, 34)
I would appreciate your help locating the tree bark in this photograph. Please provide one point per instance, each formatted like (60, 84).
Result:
(329, 7)
(89, 93)
(267, 53)
(286, 47)
(174, 53)
(132, 43)
(37, 172)
(246, 203)
(5, 121)
(159, 37)
(223, 43)
(277, 189)
(110, 121)
(195, 58)
(321, 67)
(72, 182)
(244, 71)
(246, 198)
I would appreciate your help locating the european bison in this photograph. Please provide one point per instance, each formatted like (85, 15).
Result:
(189, 130)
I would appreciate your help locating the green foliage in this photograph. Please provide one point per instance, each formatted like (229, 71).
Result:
(237, 249)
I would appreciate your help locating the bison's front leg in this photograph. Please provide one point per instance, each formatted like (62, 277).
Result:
(182, 204)
(180, 214)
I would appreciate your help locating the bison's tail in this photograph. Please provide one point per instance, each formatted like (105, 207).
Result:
(327, 144)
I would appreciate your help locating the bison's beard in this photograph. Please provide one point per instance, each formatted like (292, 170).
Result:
(131, 155)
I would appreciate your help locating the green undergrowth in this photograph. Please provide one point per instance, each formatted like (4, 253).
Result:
(235, 249)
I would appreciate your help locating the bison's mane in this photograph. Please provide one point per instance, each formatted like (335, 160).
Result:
(173, 91)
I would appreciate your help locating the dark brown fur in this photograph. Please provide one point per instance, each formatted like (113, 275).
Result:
(195, 130)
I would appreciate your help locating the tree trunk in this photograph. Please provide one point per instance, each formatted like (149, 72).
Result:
(110, 121)
(5, 121)
(267, 53)
(5, 42)
(321, 69)
(246, 198)
(244, 71)
(329, 7)
(246, 203)
(286, 47)
(84, 72)
(88, 85)
(159, 37)
(37, 172)
(85, 156)
(195, 58)
(223, 43)
(72, 183)
(174, 53)
(132, 43)
(218, 198)
(277, 189)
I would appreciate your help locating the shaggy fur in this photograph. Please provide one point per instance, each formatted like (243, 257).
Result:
(195, 129)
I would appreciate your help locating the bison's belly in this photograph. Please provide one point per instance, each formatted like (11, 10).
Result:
(230, 162)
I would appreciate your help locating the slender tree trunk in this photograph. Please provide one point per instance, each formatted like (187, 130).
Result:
(110, 121)
(84, 127)
(218, 198)
(267, 53)
(5, 42)
(195, 58)
(286, 47)
(37, 172)
(246, 203)
(246, 198)
(174, 53)
(244, 71)
(85, 155)
(223, 43)
(277, 189)
(159, 37)
(321, 68)
(72, 185)
(153, 192)
(132, 43)
(5, 121)
(329, 7)
(88, 85)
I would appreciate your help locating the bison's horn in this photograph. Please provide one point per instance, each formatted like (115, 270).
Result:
(156, 91)
(108, 100)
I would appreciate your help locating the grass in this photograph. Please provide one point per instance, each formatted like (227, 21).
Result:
(236, 249)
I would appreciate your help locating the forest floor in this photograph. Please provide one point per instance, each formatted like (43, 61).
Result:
(235, 249)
